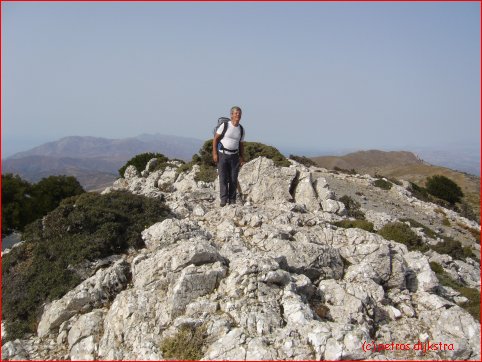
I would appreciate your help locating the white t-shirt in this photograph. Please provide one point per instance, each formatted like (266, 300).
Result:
(232, 136)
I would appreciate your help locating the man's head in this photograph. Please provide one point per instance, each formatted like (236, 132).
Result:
(235, 115)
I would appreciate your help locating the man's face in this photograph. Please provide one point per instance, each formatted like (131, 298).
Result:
(235, 116)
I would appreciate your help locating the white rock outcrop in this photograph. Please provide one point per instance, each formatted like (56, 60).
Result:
(269, 279)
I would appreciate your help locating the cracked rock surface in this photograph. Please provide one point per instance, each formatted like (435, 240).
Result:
(270, 278)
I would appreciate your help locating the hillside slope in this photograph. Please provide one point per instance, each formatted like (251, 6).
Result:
(403, 166)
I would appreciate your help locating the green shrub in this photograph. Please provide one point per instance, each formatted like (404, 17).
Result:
(444, 188)
(23, 202)
(50, 191)
(206, 173)
(395, 181)
(413, 223)
(253, 150)
(17, 205)
(140, 161)
(450, 247)
(186, 345)
(360, 224)
(473, 304)
(85, 227)
(303, 160)
(402, 233)
(420, 193)
(385, 185)
(473, 295)
(342, 170)
(352, 207)
(467, 212)
(436, 267)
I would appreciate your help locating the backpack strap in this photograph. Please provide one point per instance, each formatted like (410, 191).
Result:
(242, 132)
(225, 123)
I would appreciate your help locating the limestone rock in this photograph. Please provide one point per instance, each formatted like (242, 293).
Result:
(131, 172)
(94, 292)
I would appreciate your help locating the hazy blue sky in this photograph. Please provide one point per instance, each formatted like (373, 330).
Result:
(309, 76)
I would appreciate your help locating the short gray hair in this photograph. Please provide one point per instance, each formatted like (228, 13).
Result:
(236, 108)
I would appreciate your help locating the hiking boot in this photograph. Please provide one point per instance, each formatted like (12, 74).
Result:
(232, 202)
(222, 204)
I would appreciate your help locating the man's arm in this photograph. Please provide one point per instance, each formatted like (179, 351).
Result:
(215, 147)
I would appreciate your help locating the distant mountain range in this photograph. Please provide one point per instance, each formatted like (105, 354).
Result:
(94, 161)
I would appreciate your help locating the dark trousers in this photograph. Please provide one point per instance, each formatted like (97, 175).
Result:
(228, 169)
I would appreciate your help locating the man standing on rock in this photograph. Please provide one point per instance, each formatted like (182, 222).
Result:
(228, 154)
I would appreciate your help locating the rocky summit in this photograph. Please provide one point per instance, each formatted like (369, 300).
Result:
(272, 277)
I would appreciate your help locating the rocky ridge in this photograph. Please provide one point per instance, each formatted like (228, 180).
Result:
(268, 278)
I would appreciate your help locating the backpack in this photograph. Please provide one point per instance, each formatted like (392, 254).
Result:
(224, 121)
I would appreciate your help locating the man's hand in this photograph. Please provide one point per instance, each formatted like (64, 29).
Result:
(215, 157)
(241, 162)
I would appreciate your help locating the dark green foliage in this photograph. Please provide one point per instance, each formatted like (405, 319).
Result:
(352, 207)
(402, 233)
(436, 267)
(17, 205)
(53, 189)
(303, 160)
(140, 161)
(413, 223)
(342, 170)
(253, 150)
(385, 185)
(395, 181)
(23, 202)
(473, 295)
(473, 304)
(444, 188)
(186, 345)
(360, 224)
(206, 174)
(420, 193)
(85, 227)
(450, 247)
(468, 212)
(205, 154)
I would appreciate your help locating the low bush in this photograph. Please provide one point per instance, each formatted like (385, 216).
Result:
(85, 227)
(342, 170)
(253, 150)
(402, 233)
(186, 345)
(23, 202)
(303, 160)
(206, 173)
(473, 295)
(140, 161)
(420, 193)
(413, 223)
(385, 185)
(467, 212)
(451, 247)
(352, 207)
(444, 188)
(360, 224)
